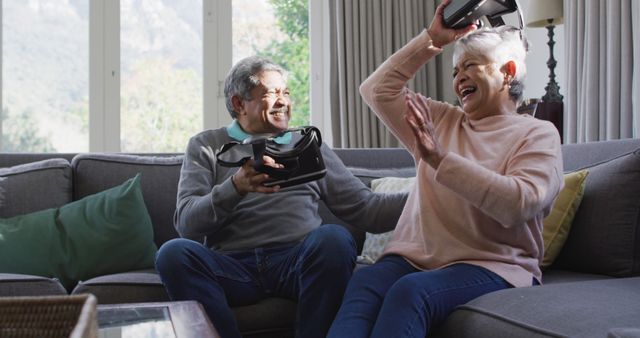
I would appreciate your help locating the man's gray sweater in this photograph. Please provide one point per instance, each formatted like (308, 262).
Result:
(209, 206)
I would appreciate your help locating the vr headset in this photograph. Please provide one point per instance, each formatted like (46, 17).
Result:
(462, 13)
(302, 159)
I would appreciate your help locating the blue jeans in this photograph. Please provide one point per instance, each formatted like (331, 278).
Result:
(314, 272)
(391, 298)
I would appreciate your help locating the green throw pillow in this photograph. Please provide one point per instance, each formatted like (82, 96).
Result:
(104, 233)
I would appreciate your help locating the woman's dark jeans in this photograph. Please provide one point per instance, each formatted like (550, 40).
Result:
(393, 299)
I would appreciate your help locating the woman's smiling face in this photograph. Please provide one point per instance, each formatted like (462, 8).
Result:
(480, 86)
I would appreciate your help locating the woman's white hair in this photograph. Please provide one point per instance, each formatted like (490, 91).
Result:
(501, 45)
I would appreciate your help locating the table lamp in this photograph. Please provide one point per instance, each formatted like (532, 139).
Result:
(547, 13)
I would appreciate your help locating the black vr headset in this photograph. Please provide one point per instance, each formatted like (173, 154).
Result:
(462, 13)
(301, 158)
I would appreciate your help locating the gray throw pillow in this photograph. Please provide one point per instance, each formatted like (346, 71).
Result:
(34, 186)
(605, 235)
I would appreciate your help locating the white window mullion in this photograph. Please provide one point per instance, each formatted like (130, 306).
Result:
(320, 61)
(104, 76)
(217, 58)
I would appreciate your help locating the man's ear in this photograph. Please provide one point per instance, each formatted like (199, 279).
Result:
(238, 105)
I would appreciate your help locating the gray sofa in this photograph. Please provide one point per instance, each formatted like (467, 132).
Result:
(590, 291)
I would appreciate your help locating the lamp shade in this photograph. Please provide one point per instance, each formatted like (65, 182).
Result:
(542, 13)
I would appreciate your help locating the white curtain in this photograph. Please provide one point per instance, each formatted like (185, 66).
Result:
(603, 86)
(364, 33)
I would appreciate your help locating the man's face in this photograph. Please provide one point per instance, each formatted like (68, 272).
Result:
(479, 85)
(269, 110)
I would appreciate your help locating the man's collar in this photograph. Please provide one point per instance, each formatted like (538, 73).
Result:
(235, 132)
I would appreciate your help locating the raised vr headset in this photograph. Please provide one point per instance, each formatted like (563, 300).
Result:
(462, 13)
(302, 159)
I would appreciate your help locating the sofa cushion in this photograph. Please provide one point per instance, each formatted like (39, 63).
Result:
(624, 332)
(128, 287)
(271, 317)
(367, 175)
(160, 175)
(2, 191)
(15, 285)
(34, 186)
(558, 223)
(605, 235)
(375, 158)
(579, 309)
(102, 233)
(576, 156)
(374, 243)
(565, 276)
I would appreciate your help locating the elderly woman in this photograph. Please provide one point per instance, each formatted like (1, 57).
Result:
(486, 178)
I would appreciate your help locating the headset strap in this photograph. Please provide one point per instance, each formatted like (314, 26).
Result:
(306, 130)
(226, 148)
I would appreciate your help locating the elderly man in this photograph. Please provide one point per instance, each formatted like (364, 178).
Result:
(264, 241)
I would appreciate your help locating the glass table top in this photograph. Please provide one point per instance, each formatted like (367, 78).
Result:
(143, 322)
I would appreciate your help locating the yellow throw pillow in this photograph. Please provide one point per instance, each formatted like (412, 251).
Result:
(558, 223)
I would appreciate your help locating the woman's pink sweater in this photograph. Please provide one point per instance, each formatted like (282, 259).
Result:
(485, 203)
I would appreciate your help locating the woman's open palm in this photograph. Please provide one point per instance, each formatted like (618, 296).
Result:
(418, 116)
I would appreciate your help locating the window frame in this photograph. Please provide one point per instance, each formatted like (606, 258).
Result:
(104, 69)
(104, 65)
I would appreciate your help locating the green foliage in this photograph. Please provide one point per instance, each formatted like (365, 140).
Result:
(161, 107)
(22, 135)
(293, 54)
(161, 103)
(292, 16)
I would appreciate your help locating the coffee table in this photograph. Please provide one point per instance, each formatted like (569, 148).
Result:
(184, 319)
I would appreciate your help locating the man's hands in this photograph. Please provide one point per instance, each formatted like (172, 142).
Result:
(247, 179)
(441, 35)
(426, 141)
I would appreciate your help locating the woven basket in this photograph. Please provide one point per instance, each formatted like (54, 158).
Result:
(51, 316)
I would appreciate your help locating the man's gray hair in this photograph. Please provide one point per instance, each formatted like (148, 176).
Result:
(243, 77)
(500, 44)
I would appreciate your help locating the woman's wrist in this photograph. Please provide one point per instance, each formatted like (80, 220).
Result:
(434, 43)
(436, 158)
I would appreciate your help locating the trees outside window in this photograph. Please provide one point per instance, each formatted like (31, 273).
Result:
(45, 78)
(291, 51)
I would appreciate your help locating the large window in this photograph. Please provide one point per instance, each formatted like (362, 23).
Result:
(279, 30)
(155, 69)
(161, 67)
(45, 75)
